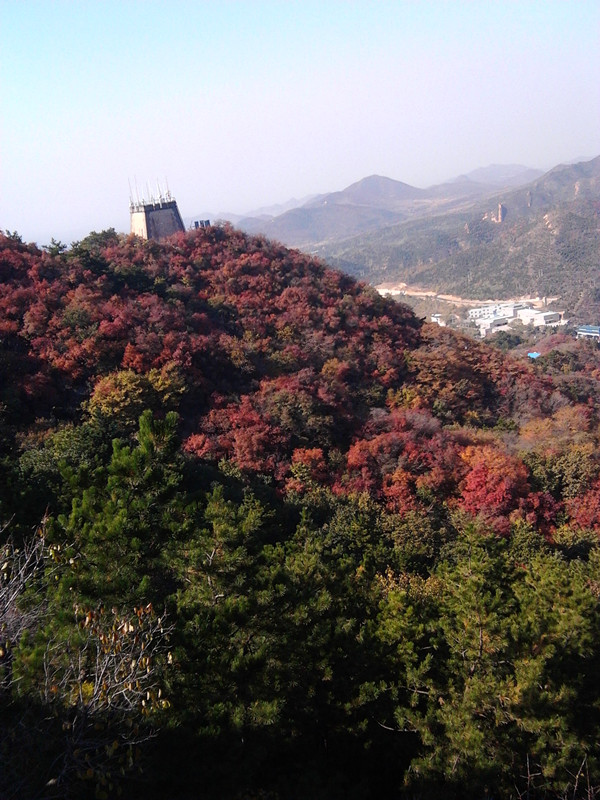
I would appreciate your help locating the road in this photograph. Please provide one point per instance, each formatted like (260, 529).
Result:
(400, 289)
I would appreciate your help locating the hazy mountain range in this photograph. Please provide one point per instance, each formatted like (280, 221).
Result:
(372, 203)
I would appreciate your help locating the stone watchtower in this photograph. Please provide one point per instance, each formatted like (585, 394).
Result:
(155, 218)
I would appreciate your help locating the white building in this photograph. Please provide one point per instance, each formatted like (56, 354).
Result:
(547, 318)
(531, 316)
(496, 310)
(482, 312)
(527, 315)
(489, 324)
(588, 332)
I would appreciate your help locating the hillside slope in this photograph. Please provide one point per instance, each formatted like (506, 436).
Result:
(230, 315)
(224, 322)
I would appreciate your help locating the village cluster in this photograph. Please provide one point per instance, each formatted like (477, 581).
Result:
(495, 317)
(501, 316)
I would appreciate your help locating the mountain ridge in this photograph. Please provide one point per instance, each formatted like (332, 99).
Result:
(377, 192)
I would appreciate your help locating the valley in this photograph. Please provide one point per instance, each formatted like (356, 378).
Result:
(399, 290)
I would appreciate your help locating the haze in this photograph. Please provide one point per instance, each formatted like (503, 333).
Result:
(245, 104)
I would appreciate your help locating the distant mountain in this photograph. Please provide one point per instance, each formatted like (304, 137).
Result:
(366, 205)
(305, 227)
(542, 239)
(374, 192)
(281, 208)
(262, 214)
(504, 175)
(445, 236)
(376, 202)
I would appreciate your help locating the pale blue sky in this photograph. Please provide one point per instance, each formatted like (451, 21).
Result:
(244, 104)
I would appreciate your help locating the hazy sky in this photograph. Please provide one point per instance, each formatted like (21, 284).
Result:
(249, 103)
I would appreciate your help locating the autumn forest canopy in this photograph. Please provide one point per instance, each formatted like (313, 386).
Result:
(266, 534)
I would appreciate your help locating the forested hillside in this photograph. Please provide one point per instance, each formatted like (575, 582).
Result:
(265, 534)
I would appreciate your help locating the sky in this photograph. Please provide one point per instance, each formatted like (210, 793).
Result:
(238, 105)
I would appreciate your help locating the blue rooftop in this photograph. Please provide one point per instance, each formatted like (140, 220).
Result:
(592, 329)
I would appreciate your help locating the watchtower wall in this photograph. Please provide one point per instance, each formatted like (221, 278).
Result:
(155, 220)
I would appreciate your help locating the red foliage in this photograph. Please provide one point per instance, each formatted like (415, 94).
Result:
(496, 488)
(289, 367)
(314, 460)
(413, 456)
(238, 432)
(585, 510)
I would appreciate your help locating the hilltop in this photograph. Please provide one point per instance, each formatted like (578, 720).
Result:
(226, 316)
